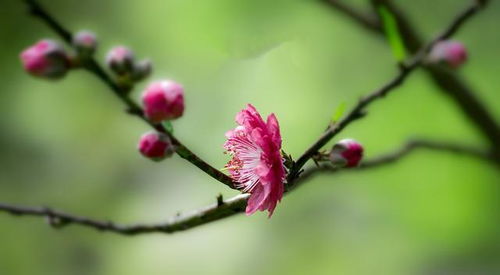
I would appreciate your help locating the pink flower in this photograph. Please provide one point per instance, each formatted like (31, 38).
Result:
(346, 153)
(46, 58)
(163, 100)
(453, 53)
(155, 146)
(256, 165)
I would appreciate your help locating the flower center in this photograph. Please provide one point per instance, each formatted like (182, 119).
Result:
(246, 157)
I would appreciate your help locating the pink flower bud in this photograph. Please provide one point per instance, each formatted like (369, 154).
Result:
(120, 60)
(46, 58)
(452, 53)
(346, 153)
(155, 146)
(142, 69)
(85, 42)
(163, 100)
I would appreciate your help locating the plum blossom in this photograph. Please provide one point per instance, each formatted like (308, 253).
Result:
(256, 165)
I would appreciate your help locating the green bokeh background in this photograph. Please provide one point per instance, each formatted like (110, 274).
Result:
(69, 145)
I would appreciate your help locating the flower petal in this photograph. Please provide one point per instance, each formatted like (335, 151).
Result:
(274, 129)
(257, 198)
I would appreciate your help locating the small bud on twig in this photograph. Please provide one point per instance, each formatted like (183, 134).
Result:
(85, 43)
(47, 59)
(346, 153)
(156, 146)
(142, 69)
(120, 60)
(163, 100)
(453, 53)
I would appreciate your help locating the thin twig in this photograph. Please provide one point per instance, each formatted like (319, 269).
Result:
(122, 93)
(398, 154)
(226, 208)
(453, 86)
(426, 144)
(358, 110)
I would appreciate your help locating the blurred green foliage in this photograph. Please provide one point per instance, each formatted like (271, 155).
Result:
(68, 144)
(392, 33)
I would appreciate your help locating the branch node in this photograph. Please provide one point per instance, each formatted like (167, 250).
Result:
(54, 220)
(220, 200)
(403, 66)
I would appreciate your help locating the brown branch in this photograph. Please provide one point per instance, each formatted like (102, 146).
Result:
(226, 208)
(426, 144)
(123, 94)
(359, 110)
(58, 219)
(448, 82)
(398, 154)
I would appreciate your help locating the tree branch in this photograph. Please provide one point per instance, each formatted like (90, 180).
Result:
(58, 219)
(358, 110)
(398, 154)
(448, 82)
(227, 208)
(122, 93)
(412, 145)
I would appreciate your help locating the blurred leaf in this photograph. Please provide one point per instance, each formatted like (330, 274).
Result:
(168, 125)
(392, 33)
(339, 111)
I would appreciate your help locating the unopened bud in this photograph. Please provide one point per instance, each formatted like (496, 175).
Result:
(450, 52)
(46, 58)
(85, 43)
(142, 69)
(120, 60)
(156, 146)
(163, 100)
(346, 153)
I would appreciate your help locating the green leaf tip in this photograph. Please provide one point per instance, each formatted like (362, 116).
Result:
(392, 32)
(339, 111)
